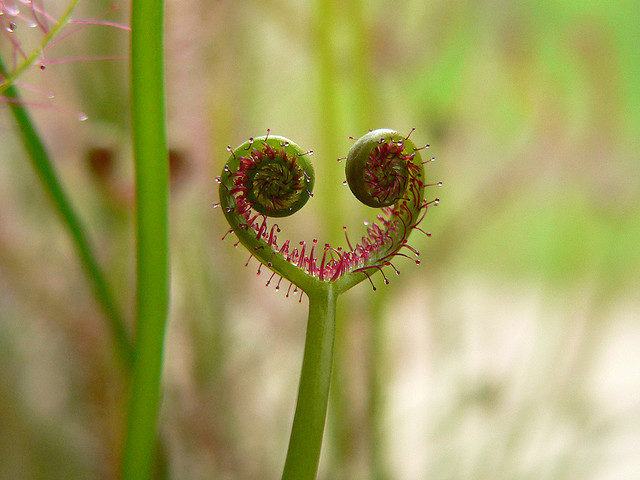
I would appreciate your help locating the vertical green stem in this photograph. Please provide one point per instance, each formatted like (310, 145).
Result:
(366, 97)
(43, 165)
(152, 175)
(305, 444)
(326, 91)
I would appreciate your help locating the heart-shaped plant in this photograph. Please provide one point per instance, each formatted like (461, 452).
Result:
(271, 176)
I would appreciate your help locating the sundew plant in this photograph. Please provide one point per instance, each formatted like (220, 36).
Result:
(212, 215)
(270, 177)
(266, 177)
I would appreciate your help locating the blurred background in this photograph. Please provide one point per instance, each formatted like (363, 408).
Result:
(512, 352)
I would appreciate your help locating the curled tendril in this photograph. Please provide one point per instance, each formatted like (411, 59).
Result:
(272, 177)
(378, 168)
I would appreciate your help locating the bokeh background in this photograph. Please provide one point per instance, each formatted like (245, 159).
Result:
(512, 352)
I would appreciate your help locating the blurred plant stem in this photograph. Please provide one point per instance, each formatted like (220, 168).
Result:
(327, 90)
(152, 195)
(305, 444)
(43, 165)
(366, 97)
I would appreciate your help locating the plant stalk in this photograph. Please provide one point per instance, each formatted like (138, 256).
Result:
(305, 443)
(152, 196)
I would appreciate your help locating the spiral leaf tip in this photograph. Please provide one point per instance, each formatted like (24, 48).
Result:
(377, 167)
(271, 175)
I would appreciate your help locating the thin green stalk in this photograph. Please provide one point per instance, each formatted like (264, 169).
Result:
(326, 92)
(43, 165)
(305, 444)
(366, 96)
(152, 176)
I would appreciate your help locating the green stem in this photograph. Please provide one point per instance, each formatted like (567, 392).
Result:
(366, 97)
(326, 91)
(313, 394)
(152, 195)
(43, 165)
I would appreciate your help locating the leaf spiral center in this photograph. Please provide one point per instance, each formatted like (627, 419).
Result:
(385, 173)
(277, 186)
